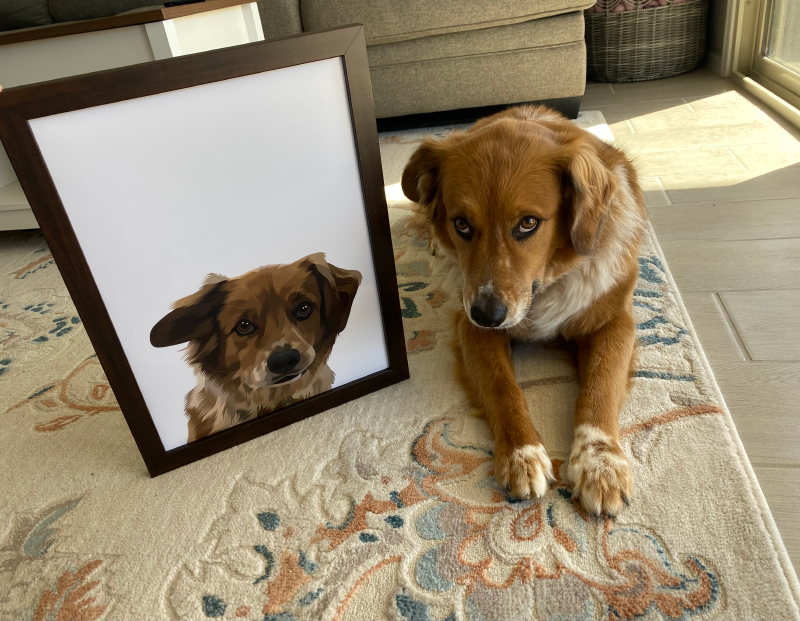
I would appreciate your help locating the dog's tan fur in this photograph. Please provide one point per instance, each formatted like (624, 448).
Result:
(234, 382)
(573, 276)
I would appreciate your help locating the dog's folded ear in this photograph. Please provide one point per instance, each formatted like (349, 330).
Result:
(420, 180)
(337, 289)
(193, 317)
(421, 183)
(589, 185)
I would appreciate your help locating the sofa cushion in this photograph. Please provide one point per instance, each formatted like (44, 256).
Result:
(16, 14)
(388, 22)
(280, 18)
(71, 10)
(534, 74)
(547, 32)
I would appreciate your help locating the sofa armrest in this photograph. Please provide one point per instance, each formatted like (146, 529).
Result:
(280, 18)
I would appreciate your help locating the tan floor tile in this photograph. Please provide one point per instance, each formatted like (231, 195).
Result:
(702, 137)
(659, 163)
(731, 107)
(767, 322)
(738, 220)
(712, 328)
(623, 111)
(781, 487)
(762, 398)
(598, 87)
(744, 185)
(766, 157)
(696, 84)
(734, 265)
(620, 128)
(654, 195)
(685, 117)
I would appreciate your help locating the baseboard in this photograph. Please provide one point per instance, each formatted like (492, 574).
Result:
(568, 106)
(714, 62)
(17, 220)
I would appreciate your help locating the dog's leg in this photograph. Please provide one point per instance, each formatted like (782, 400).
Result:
(598, 466)
(521, 463)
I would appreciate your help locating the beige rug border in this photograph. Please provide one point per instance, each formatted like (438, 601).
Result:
(755, 488)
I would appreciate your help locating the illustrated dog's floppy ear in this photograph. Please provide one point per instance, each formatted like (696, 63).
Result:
(337, 289)
(193, 317)
(589, 185)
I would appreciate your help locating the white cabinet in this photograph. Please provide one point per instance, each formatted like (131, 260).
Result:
(74, 48)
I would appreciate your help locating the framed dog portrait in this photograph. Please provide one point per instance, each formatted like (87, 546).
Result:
(220, 222)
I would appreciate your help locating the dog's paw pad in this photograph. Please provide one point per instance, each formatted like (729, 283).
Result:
(525, 471)
(600, 472)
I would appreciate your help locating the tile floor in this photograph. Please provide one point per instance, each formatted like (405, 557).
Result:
(722, 175)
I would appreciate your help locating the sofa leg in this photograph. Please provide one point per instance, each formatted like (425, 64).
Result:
(568, 106)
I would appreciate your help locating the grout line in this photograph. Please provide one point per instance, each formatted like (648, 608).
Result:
(736, 159)
(645, 99)
(688, 104)
(776, 360)
(731, 326)
(724, 241)
(661, 185)
(665, 237)
(633, 131)
(774, 465)
(738, 200)
(743, 290)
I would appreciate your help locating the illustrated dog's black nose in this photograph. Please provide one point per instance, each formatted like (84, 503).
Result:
(283, 362)
(488, 312)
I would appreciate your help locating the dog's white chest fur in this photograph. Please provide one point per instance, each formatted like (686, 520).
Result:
(569, 296)
(564, 299)
(231, 408)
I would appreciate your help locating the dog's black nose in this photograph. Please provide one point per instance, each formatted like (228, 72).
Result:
(488, 312)
(283, 362)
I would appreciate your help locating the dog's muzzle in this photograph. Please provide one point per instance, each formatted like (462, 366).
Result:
(488, 311)
(284, 363)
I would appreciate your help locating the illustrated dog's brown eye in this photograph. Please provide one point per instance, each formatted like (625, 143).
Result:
(462, 227)
(303, 311)
(244, 327)
(527, 225)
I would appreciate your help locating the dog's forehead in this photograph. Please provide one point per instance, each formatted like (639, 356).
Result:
(272, 280)
(503, 164)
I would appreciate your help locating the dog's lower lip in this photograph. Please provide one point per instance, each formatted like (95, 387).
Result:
(289, 378)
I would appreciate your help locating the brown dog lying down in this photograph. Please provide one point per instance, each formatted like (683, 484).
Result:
(259, 341)
(544, 221)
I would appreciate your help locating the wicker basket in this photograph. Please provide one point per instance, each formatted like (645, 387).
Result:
(645, 43)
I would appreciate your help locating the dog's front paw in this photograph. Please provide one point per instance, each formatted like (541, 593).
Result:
(599, 472)
(524, 470)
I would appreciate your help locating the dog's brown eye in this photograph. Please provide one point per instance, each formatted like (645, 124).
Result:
(303, 311)
(527, 224)
(244, 327)
(462, 227)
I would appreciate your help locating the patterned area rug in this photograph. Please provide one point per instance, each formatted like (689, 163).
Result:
(385, 508)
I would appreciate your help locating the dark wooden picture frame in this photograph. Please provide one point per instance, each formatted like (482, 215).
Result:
(20, 105)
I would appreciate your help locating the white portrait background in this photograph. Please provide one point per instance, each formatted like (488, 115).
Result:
(223, 178)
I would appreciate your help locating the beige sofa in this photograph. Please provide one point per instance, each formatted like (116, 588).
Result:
(426, 56)
(432, 56)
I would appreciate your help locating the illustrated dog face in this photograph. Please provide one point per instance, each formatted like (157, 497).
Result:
(266, 327)
(517, 202)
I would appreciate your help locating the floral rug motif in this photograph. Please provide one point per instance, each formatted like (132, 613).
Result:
(386, 507)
